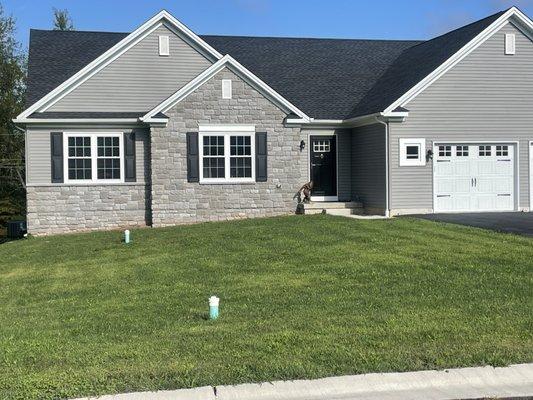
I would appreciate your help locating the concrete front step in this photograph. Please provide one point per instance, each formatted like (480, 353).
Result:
(334, 208)
(332, 204)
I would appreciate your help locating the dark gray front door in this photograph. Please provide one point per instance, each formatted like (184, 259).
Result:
(323, 166)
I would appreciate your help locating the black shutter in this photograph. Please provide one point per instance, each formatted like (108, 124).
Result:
(129, 157)
(193, 160)
(261, 157)
(56, 152)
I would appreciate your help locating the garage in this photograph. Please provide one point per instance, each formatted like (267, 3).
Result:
(474, 177)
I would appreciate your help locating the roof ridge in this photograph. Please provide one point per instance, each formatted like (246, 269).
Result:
(79, 31)
(312, 38)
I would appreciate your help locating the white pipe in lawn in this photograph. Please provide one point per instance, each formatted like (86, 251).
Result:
(213, 307)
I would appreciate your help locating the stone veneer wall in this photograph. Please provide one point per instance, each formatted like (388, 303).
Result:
(176, 201)
(62, 209)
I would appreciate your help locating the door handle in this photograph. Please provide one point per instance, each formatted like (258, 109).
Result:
(475, 182)
(472, 181)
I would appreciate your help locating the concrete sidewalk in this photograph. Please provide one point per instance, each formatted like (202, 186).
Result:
(515, 381)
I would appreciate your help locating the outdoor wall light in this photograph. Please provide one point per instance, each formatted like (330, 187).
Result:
(302, 145)
(429, 155)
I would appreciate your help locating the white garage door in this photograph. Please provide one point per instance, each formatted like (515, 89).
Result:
(474, 177)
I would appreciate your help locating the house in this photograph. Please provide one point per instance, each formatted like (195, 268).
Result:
(161, 126)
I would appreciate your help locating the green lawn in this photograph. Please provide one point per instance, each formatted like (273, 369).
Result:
(301, 297)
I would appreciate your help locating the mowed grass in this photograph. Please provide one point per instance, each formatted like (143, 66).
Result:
(301, 297)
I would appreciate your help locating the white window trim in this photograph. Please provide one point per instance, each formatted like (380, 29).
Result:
(226, 131)
(421, 160)
(227, 89)
(94, 158)
(164, 45)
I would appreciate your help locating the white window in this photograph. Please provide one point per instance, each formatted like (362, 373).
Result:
(164, 46)
(321, 146)
(93, 158)
(227, 154)
(502, 151)
(412, 152)
(226, 89)
(510, 46)
(485, 151)
(445, 151)
(461, 151)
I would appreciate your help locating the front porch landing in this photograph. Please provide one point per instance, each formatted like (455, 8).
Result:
(334, 208)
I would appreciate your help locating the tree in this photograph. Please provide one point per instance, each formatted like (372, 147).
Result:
(62, 20)
(12, 88)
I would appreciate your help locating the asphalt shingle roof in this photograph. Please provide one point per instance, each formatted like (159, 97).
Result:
(325, 78)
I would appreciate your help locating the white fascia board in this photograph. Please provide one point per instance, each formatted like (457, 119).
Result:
(212, 71)
(112, 54)
(339, 123)
(51, 121)
(513, 13)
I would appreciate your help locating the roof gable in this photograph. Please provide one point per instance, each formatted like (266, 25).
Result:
(459, 44)
(415, 63)
(112, 53)
(140, 78)
(241, 71)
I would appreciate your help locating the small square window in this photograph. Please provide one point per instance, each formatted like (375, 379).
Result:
(461, 151)
(502, 151)
(412, 152)
(445, 151)
(485, 151)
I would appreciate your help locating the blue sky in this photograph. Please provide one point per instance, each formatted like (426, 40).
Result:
(377, 19)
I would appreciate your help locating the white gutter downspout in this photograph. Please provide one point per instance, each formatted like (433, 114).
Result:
(387, 203)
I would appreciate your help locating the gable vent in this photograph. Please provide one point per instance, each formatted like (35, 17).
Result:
(226, 89)
(164, 46)
(510, 46)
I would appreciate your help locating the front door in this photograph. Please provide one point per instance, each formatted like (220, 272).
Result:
(323, 167)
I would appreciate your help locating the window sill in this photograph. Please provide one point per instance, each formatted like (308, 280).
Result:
(236, 182)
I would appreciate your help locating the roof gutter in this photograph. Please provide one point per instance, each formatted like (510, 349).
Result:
(397, 116)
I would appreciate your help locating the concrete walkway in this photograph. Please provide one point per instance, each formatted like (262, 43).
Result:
(513, 382)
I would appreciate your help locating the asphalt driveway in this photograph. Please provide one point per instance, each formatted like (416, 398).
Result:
(520, 223)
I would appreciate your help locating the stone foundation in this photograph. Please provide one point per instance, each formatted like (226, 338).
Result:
(62, 209)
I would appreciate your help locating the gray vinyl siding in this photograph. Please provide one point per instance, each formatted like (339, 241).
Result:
(38, 153)
(344, 164)
(488, 96)
(368, 165)
(139, 79)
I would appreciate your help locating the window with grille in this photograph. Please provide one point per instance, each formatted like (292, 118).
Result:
(321, 146)
(461, 151)
(227, 157)
(79, 158)
(445, 151)
(93, 157)
(502, 151)
(485, 151)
